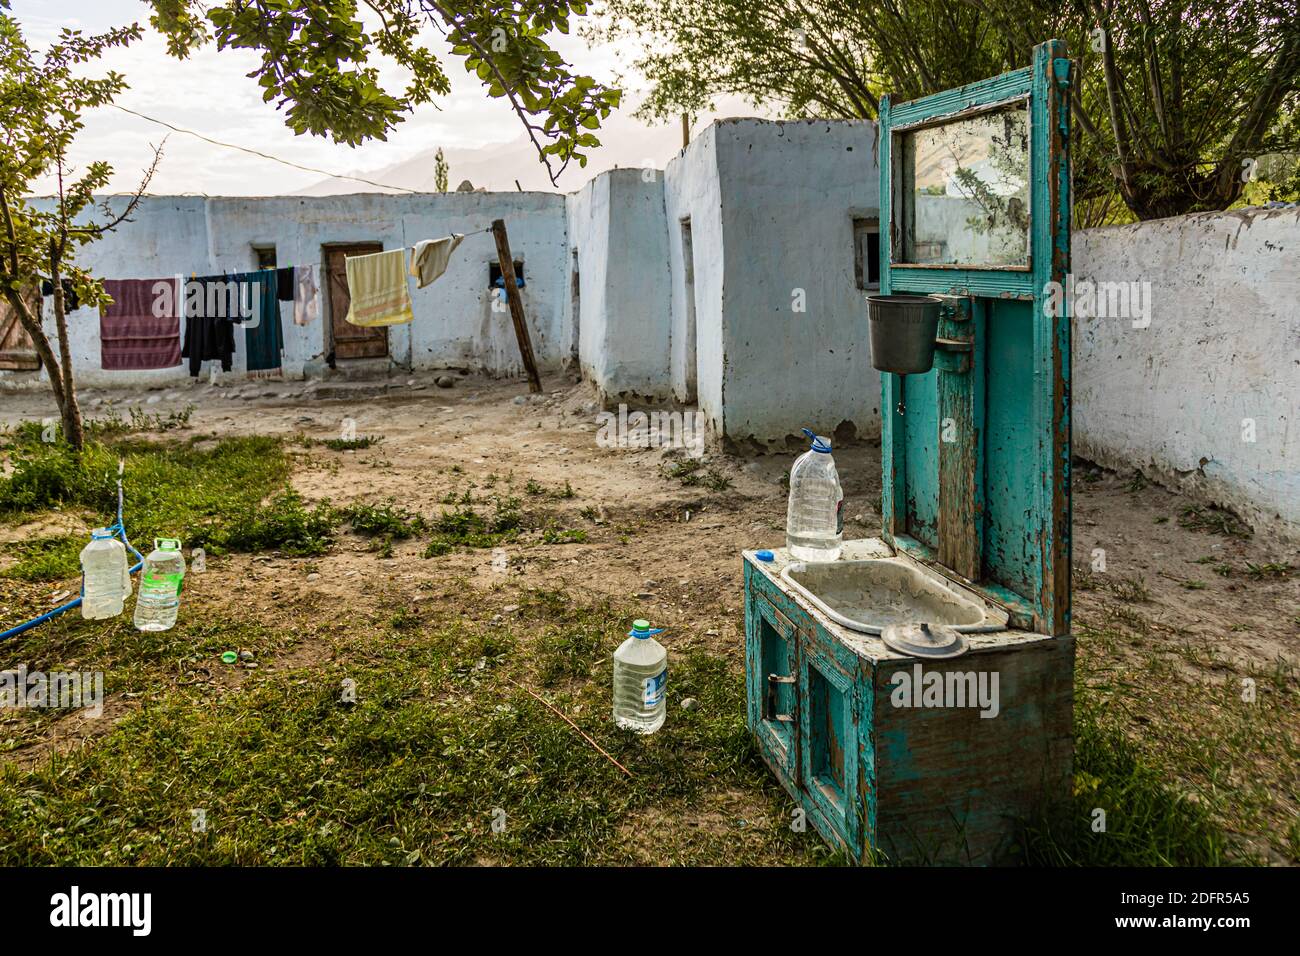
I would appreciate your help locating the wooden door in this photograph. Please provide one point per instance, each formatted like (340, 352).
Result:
(16, 349)
(350, 341)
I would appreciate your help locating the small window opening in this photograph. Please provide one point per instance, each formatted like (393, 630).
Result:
(494, 273)
(866, 253)
(265, 256)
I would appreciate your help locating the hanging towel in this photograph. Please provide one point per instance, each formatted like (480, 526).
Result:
(377, 286)
(306, 296)
(263, 341)
(132, 337)
(210, 312)
(429, 258)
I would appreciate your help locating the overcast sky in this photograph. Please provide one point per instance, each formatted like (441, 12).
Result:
(210, 93)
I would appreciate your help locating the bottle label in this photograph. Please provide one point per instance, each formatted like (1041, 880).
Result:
(161, 585)
(654, 689)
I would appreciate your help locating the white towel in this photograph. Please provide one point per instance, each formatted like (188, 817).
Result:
(429, 258)
(306, 295)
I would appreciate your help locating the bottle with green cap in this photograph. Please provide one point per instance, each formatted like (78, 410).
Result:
(160, 586)
(641, 680)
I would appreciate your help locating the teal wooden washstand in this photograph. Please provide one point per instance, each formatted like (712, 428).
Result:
(888, 754)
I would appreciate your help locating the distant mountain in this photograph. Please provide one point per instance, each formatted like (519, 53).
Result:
(624, 142)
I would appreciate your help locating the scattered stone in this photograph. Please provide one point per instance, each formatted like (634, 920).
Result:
(644, 596)
(444, 381)
(270, 393)
(314, 576)
(246, 656)
(711, 633)
(153, 400)
(521, 400)
(510, 608)
(689, 703)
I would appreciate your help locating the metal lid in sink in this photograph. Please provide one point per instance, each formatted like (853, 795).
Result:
(925, 640)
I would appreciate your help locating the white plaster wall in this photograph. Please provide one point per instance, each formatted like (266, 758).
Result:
(790, 192)
(1223, 347)
(692, 190)
(617, 226)
(454, 324)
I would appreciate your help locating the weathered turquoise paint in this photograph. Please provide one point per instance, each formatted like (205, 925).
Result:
(1023, 443)
(941, 784)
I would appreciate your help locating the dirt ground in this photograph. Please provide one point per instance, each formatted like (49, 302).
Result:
(672, 551)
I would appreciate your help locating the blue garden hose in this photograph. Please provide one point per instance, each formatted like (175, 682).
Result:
(120, 530)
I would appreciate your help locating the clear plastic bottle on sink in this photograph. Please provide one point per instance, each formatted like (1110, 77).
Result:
(814, 523)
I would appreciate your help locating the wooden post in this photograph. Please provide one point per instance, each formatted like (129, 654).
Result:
(511, 282)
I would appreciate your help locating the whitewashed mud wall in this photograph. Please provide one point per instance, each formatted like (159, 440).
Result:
(1206, 397)
(619, 245)
(789, 194)
(454, 324)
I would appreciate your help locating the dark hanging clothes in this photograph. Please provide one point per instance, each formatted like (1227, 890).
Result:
(264, 341)
(70, 301)
(209, 323)
(284, 284)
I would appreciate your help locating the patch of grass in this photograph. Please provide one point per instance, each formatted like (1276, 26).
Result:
(1137, 481)
(1272, 570)
(1131, 589)
(349, 444)
(564, 536)
(1145, 822)
(198, 492)
(285, 524)
(389, 521)
(441, 740)
(693, 472)
(46, 559)
(1213, 520)
(466, 528)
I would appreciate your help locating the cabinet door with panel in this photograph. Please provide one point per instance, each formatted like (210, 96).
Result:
(772, 654)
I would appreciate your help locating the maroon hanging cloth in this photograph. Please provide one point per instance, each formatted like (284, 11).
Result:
(131, 336)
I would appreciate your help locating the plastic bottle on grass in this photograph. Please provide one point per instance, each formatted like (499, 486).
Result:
(106, 578)
(160, 586)
(814, 523)
(640, 681)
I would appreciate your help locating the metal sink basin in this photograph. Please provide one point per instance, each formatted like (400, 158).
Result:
(871, 595)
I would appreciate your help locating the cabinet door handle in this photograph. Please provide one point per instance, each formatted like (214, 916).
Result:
(773, 680)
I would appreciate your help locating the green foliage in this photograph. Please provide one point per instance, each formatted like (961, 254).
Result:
(207, 496)
(315, 62)
(466, 528)
(285, 524)
(1172, 98)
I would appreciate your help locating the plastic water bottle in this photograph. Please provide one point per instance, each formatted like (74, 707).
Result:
(160, 586)
(107, 580)
(814, 523)
(640, 681)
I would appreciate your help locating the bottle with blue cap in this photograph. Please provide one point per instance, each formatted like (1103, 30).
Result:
(641, 680)
(814, 523)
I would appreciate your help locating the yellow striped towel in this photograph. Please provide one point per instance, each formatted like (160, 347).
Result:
(377, 286)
